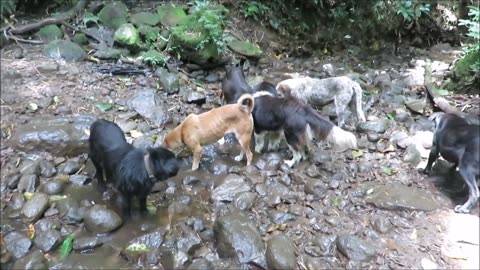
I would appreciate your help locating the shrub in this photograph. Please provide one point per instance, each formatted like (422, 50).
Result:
(472, 51)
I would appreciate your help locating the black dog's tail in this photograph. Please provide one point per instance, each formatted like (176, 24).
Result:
(326, 130)
(246, 102)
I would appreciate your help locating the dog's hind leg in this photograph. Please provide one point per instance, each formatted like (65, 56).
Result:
(467, 172)
(259, 141)
(341, 107)
(125, 203)
(274, 140)
(245, 144)
(142, 202)
(295, 145)
(101, 186)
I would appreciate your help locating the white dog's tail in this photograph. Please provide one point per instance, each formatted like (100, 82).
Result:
(326, 130)
(358, 102)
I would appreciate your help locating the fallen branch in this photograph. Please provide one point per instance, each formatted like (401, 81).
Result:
(81, 4)
(441, 102)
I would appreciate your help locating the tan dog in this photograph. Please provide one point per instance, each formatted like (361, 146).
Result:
(208, 127)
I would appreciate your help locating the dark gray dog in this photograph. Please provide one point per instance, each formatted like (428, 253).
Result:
(458, 142)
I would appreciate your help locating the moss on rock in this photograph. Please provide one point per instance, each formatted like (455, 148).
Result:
(145, 18)
(113, 15)
(49, 33)
(245, 48)
(170, 15)
(127, 35)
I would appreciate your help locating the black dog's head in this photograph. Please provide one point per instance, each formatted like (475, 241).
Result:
(164, 163)
(267, 87)
(235, 68)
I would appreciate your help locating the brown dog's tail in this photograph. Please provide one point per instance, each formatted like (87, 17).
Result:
(246, 102)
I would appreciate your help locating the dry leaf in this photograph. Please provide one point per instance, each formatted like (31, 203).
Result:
(135, 133)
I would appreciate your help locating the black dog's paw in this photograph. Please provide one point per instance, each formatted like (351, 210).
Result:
(462, 209)
(425, 171)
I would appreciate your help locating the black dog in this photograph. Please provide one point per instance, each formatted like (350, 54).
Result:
(234, 84)
(458, 141)
(133, 171)
(298, 122)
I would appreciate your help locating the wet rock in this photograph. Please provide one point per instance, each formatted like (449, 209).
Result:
(17, 201)
(316, 188)
(52, 187)
(30, 167)
(69, 167)
(169, 81)
(237, 237)
(100, 219)
(245, 48)
(69, 210)
(86, 242)
(412, 155)
(405, 142)
(80, 39)
(219, 167)
(196, 97)
(49, 33)
(231, 186)
(417, 105)
(104, 52)
(201, 264)
(402, 116)
(61, 136)
(373, 137)
(17, 244)
(212, 78)
(113, 15)
(79, 179)
(127, 35)
(326, 243)
(354, 248)
(252, 174)
(279, 217)
(12, 181)
(34, 260)
(401, 197)
(64, 49)
(244, 200)
(146, 18)
(47, 240)
(269, 162)
(34, 208)
(381, 224)
(280, 253)
(151, 240)
(321, 156)
(173, 259)
(376, 126)
(47, 169)
(148, 105)
(170, 15)
(27, 183)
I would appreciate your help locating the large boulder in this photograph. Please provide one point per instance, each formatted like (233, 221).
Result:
(49, 33)
(148, 105)
(127, 35)
(147, 18)
(113, 14)
(170, 15)
(245, 48)
(64, 49)
(100, 219)
(61, 136)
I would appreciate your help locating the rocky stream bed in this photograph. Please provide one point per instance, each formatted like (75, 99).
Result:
(363, 209)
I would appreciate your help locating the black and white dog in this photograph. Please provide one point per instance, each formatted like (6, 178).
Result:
(458, 142)
(299, 124)
(132, 171)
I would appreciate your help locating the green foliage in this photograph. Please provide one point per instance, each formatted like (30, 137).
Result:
(66, 247)
(211, 19)
(153, 58)
(8, 7)
(473, 26)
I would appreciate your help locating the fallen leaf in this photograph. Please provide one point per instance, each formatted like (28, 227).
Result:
(31, 231)
(87, 131)
(66, 246)
(390, 148)
(32, 106)
(137, 247)
(277, 227)
(356, 154)
(135, 133)
(54, 198)
(28, 195)
(104, 106)
(390, 116)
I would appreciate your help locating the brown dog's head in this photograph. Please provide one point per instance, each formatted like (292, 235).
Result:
(174, 139)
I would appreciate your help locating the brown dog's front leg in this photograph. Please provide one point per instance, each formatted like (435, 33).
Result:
(197, 155)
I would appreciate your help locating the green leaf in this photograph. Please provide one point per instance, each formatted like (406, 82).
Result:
(442, 92)
(387, 170)
(357, 153)
(390, 116)
(89, 17)
(66, 247)
(336, 201)
(104, 106)
(137, 247)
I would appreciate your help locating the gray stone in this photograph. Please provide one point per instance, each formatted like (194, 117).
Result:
(326, 243)
(49, 33)
(219, 166)
(100, 219)
(34, 208)
(151, 240)
(17, 201)
(147, 18)
(377, 126)
(425, 138)
(64, 49)
(17, 244)
(245, 48)
(280, 253)
(237, 237)
(61, 136)
(381, 224)
(279, 217)
(47, 169)
(27, 183)
(127, 35)
(69, 167)
(113, 15)
(148, 105)
(12, 181)
(79, 179)
(231, 186)
(412, 155)
(69, 210)
(47, 240)
(355, 249)
(30, 167)
(34, 260)
(86, 242)
(196, 97)
(400, 197)
(244, 200)
(52, 187)
(417, 105)
(169, 81)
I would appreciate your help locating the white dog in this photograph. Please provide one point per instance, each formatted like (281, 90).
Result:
(319, 92)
